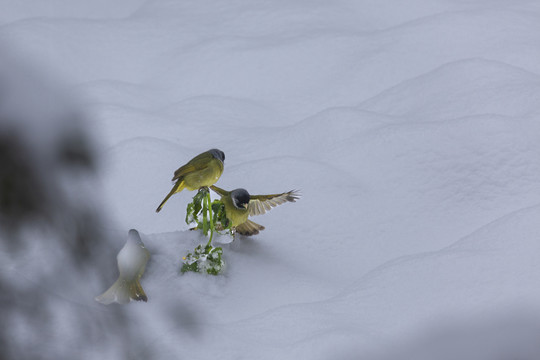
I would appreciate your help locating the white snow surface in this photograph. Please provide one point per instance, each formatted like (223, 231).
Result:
(411, 128)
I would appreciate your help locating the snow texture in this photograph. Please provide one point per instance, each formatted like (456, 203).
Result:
(411, 128)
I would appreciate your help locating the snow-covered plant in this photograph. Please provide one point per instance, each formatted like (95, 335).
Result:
(209, 217)
(206, 260)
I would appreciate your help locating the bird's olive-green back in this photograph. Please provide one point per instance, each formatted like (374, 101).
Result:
(203, 170)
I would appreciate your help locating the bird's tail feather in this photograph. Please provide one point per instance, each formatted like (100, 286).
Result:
(136, 292)
(122, 292)
(179, 186)
(249, 228)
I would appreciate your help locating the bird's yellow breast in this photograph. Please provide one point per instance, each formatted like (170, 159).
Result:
(236, 216)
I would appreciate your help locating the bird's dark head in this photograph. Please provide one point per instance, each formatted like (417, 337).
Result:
(218, 154)
(240, 198)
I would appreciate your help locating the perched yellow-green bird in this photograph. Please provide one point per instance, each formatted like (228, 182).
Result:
(203, 170)
(239, 205)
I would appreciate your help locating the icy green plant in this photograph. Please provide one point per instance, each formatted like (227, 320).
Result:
(209, 217)
(204, 260)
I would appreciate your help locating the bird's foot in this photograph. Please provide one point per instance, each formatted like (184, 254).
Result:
(204, 189)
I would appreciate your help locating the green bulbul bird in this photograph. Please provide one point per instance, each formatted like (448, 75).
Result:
(239, 205)
(201, 171)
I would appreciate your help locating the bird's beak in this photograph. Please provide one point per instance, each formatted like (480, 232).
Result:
(245, 206)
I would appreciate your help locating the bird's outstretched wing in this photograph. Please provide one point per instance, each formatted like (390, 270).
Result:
(260, 204)
(219, 191)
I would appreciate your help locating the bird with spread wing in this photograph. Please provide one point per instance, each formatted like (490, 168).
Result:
(239, 205)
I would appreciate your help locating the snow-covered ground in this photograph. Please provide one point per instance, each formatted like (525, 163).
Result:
(411, 128)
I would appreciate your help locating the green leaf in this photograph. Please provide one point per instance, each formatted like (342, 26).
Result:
(194, 267)
(191, 217)
(195, 208)
(219, 215)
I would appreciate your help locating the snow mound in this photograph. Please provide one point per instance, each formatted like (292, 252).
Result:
(459, 89)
